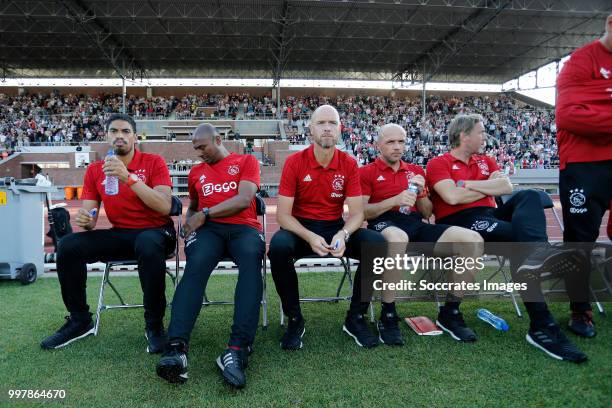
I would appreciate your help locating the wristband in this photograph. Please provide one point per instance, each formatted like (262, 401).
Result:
(346, 234)
(423, 193)
(131, 181)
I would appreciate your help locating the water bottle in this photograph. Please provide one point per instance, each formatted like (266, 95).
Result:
(495, 321)
(413, 188)
(111, 185)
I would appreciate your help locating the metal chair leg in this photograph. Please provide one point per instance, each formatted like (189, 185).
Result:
(512, 296)
(101, 299)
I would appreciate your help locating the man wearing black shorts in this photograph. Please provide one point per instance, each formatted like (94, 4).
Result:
(384, 186)
(464, 184)
(314, 185)
(221, 221)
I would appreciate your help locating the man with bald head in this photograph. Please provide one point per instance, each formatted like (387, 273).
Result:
(315, 184)
(397, 213)
(221, 221)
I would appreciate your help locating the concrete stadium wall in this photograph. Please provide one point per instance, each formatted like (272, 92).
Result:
(272, 146)
(259, 127)
(11, 167)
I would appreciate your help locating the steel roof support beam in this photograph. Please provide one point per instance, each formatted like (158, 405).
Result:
(115, 51)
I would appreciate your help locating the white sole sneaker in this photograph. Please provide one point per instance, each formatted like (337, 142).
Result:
(440, 325)
(535, 344)
(87, 333)
(352, 335)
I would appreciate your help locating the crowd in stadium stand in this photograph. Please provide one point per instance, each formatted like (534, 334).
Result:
(230, 106)
(59, 119)
(521, 137)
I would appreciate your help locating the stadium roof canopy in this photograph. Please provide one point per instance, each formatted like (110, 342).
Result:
(479, 41)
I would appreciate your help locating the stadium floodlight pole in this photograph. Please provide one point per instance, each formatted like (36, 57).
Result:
(123, 94)
(424, 95)
(556, 75)
(279, 114)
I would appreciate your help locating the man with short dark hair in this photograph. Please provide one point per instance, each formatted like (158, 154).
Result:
(315, 183)
(141, 230)
(464, 184)
(584, 123)
(221, 221)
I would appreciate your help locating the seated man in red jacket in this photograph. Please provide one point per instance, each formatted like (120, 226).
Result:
(464, 185)
(141, 230)
(221, 221)
(398, 215)
(584, 135)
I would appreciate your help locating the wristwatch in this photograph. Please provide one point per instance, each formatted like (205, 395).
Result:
(461, 183)
(132, 179)
(346, 234)
(206, 212)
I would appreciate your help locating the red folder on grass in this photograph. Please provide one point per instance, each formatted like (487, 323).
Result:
(423, 326)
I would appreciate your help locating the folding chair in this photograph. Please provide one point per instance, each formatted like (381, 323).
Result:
(346, 276)
(261, 212)
(503, 260)
(175, 211)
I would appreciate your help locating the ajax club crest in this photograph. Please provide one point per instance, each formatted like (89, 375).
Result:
(484, 167)
(577, 199)
(338, 182)
(233, 170)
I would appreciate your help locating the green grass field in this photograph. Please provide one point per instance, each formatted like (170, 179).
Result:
(113, 370)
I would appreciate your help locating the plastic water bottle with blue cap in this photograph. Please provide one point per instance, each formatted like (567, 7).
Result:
(413, 187)
(111, 185)
(493, 320)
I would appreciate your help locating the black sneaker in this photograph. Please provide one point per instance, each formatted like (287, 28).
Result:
(451, 321)
(172, 367)
(551, 340)
(549, 261)
(71, 331)
(355, 326)
(388, 330)
(292, 339)
(156, 339)
(581, 323)
(232, 364)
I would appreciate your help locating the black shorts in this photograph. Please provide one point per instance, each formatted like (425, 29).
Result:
(585, 190)
(413, 225)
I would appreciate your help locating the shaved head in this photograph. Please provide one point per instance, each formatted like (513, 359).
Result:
(325, 126)
(391, 128)
(326, 109)
(391, 143)
(207, 142)
(205, 130)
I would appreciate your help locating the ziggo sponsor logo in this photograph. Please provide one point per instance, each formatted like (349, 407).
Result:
(209, 188)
